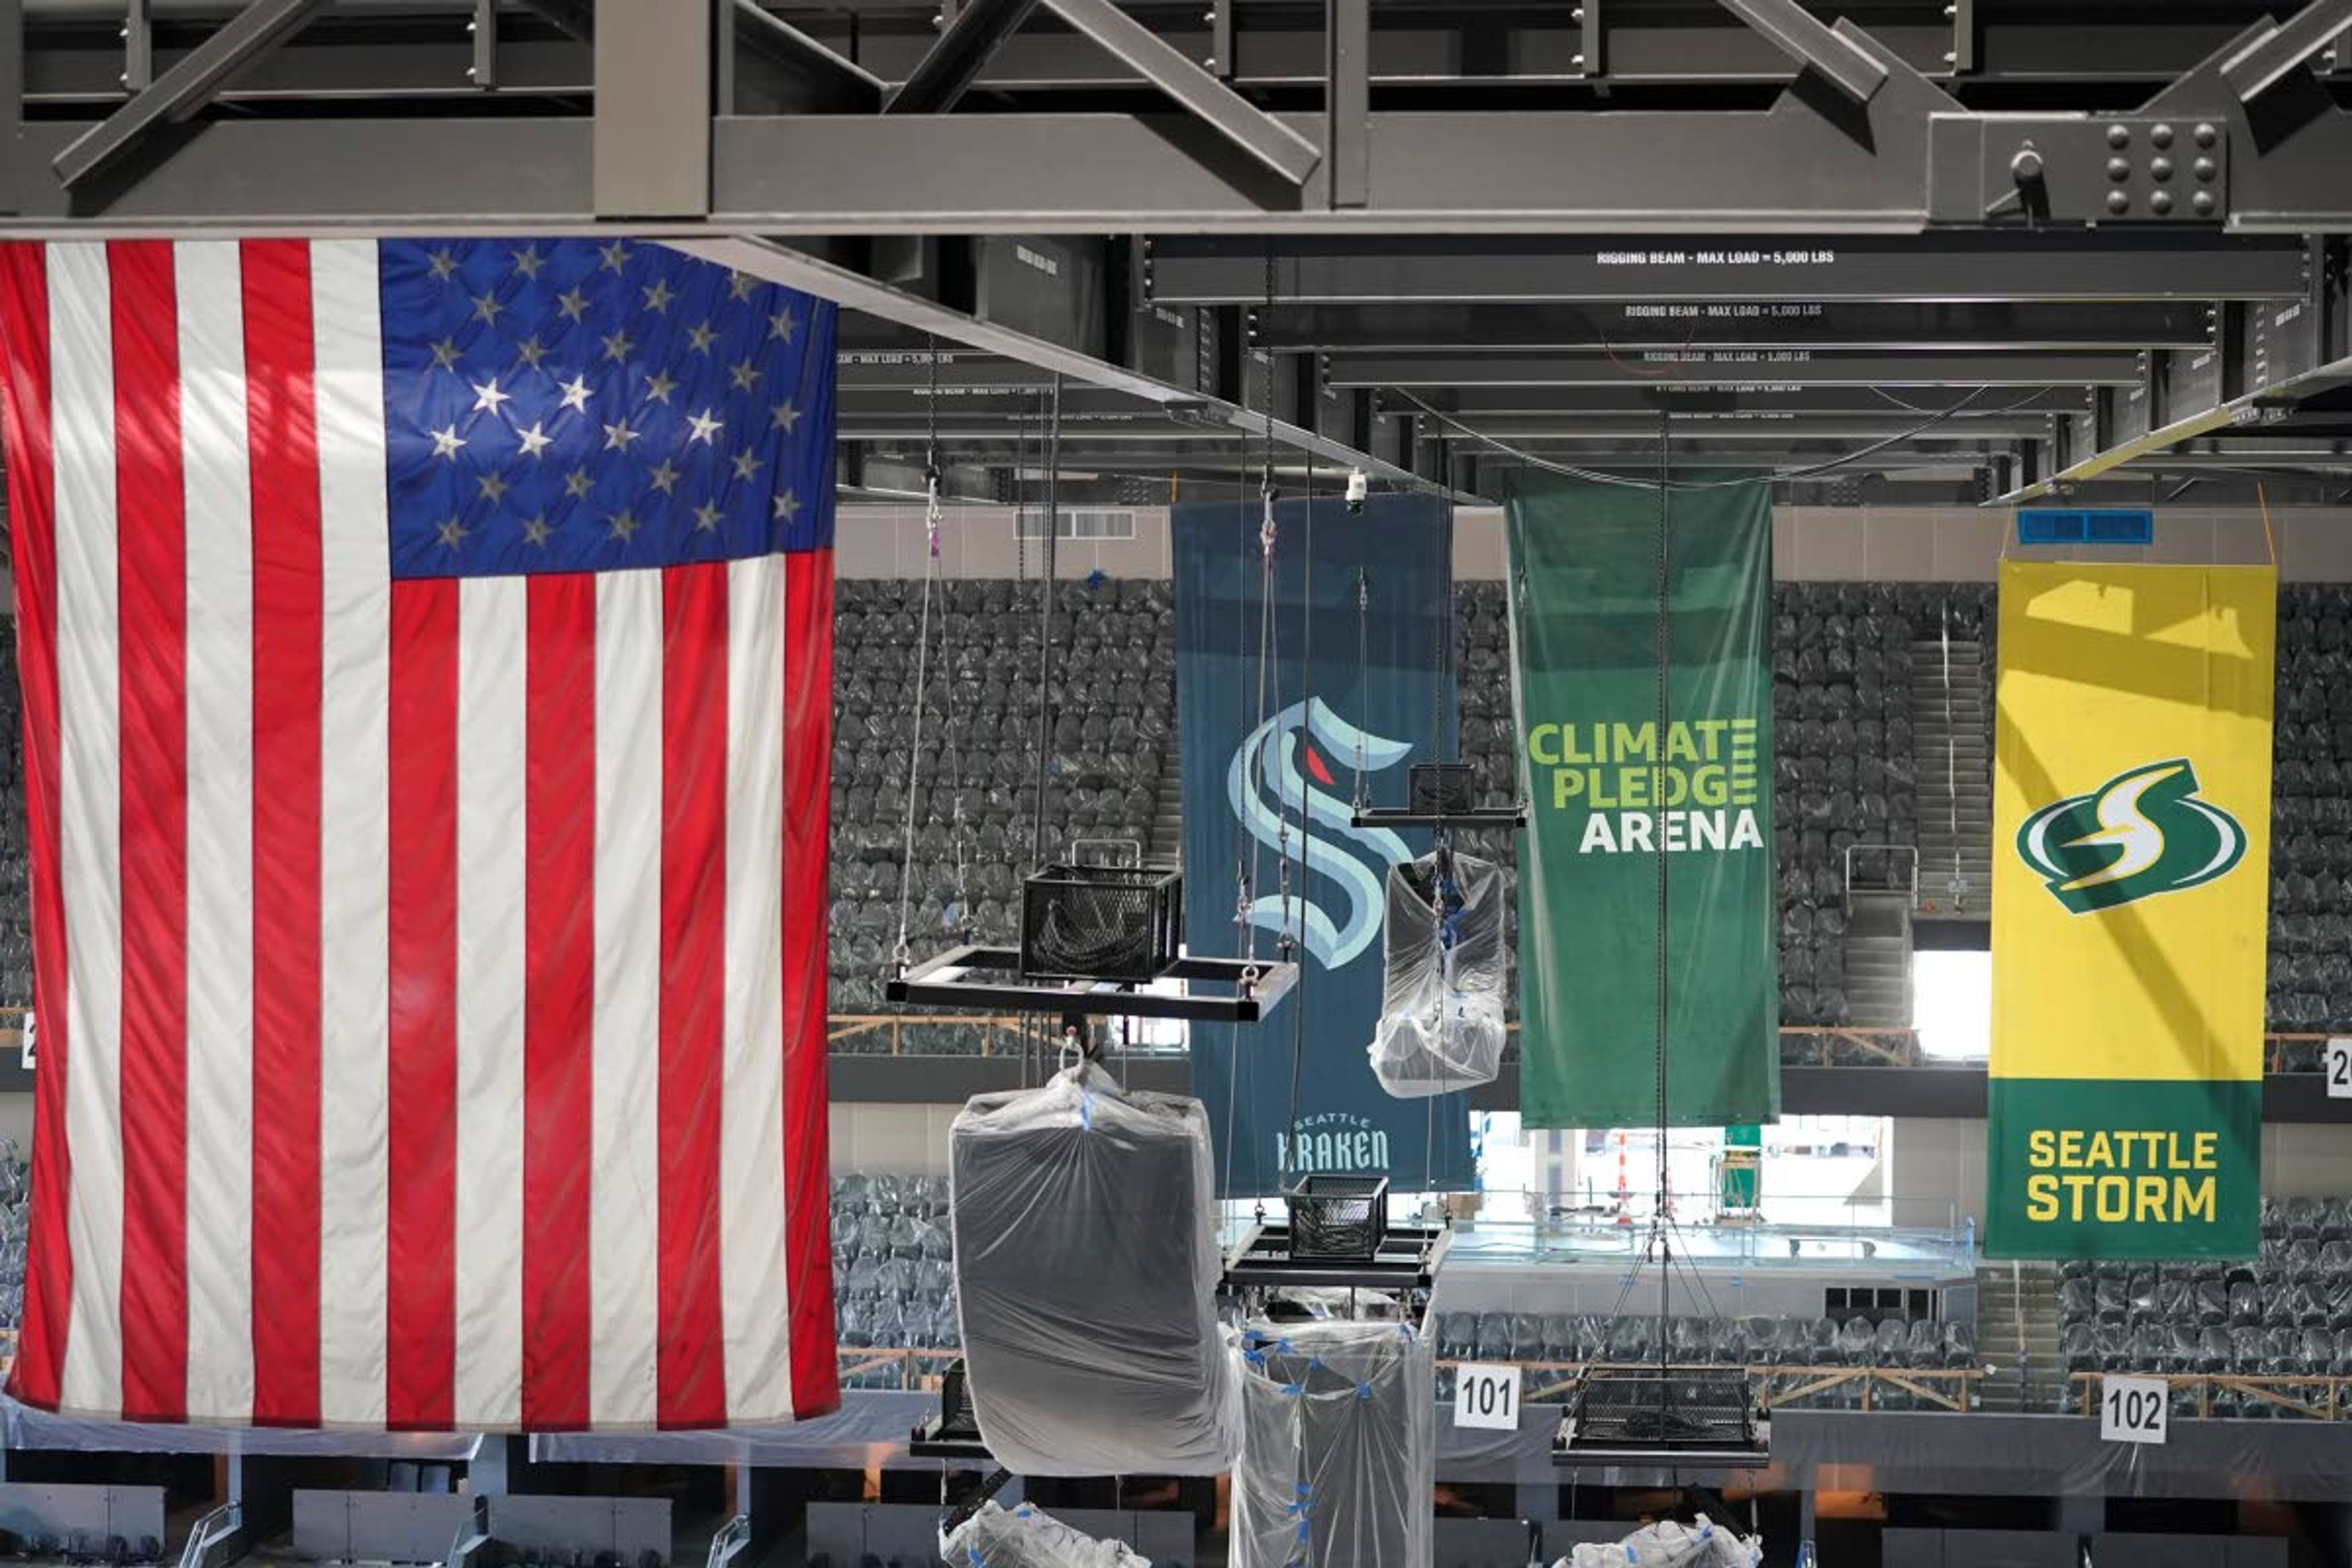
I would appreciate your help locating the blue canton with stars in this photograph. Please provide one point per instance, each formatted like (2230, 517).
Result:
(578, 405)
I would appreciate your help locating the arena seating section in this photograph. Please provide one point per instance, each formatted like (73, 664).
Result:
(2286, 1315)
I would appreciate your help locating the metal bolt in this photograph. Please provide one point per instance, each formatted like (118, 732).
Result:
(2205, 168)
(2119, 168)
(1577, 15)
(2026, 167)
(2118, 135)
(1577, 61)
(2159, 169)
(1209, 64)
(2118, 200)
(2161, 135)
(2162, 201)
(2206, 135)
(2204, 204)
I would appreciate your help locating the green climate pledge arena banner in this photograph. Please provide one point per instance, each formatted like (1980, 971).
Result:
(1612, 795)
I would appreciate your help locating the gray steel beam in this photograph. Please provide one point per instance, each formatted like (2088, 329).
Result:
(652, 140)
(1348, 98)
(1795, 32)
(2001, 425)
(1854, 324)
(973, 34)
(1993, 367)
(576, 18)
(839, 83)
(1233, 118)
(2264, 63)
(1955, 266)
(1478, 404)
(183, 90)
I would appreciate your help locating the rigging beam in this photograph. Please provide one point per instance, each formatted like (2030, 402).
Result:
(1796, 33)
(1847, 324)
(2064, 265)
(2264, 63)
(1993, 367)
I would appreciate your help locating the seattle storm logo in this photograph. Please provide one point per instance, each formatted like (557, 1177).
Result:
(1305, 746)
(2142, 833)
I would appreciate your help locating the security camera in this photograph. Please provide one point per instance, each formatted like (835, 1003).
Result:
(1359, 485)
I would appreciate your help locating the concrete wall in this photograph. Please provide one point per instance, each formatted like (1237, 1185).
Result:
(1953, 545)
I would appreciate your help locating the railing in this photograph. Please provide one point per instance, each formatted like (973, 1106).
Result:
(471, 1543)
(2319, 1398)
(1892, 884)
(212, 1540)
(734, 1539)
(1954, 1388)
(1802, 1045)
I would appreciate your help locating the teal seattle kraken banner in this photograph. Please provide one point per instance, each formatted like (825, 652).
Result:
(1246, 761)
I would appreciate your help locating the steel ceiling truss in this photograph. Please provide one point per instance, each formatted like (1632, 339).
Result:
(2075, 239)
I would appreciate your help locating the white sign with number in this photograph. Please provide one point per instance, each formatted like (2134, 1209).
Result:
(2133, 1409)
(1487, 1395)
(2340, 1068)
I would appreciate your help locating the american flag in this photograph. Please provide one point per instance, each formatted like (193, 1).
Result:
(426, 654)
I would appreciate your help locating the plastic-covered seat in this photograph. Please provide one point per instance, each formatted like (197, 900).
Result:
(2212, 1350)
(2076, 1300)
(2114, 1300)
(1959, 1345)
(2245, 1305)
(1889, 1345)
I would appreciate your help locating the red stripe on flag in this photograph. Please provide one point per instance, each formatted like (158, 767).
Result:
(559, 996)
(152, 553)
(421, 1305)
(690, 1376)
(289, 627)
(808, 791)
(33, 555)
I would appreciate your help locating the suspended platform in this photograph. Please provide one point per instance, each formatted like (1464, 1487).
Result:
(1407, 1258)
(985, 979)
(1693, 1417)
(1468, 821)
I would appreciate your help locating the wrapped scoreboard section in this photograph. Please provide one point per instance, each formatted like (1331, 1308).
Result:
(1339, 1448)
(1021, 1537)
(1086, 1267)
(1443, 976)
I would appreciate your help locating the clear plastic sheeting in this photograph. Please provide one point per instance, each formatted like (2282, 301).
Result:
(1443, 987)
(1087, 1264)
(1024, 1538)
(1670, 1544)
(1338, 1450)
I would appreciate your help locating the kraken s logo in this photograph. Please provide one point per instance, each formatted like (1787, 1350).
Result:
(1306, 747)
(2142, 833)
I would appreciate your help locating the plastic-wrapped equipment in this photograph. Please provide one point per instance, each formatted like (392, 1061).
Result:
(1443, 989)
(1086, 1263)
(1670, 1544)
(1024, 1538)
(1339, 1448)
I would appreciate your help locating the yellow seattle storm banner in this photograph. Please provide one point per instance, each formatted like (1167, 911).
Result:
(2130, 897)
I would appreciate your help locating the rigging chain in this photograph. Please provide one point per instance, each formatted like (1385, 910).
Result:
(901, 955)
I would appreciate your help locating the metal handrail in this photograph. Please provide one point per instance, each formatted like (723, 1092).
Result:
(733, 1539)
(214, 1529)
(1912, 886)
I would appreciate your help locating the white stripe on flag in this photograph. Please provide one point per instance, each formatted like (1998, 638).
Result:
(355, 833)
(753, 1293)
(89, 810)
(219, 501)
(493, 654)
(624, 1215)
